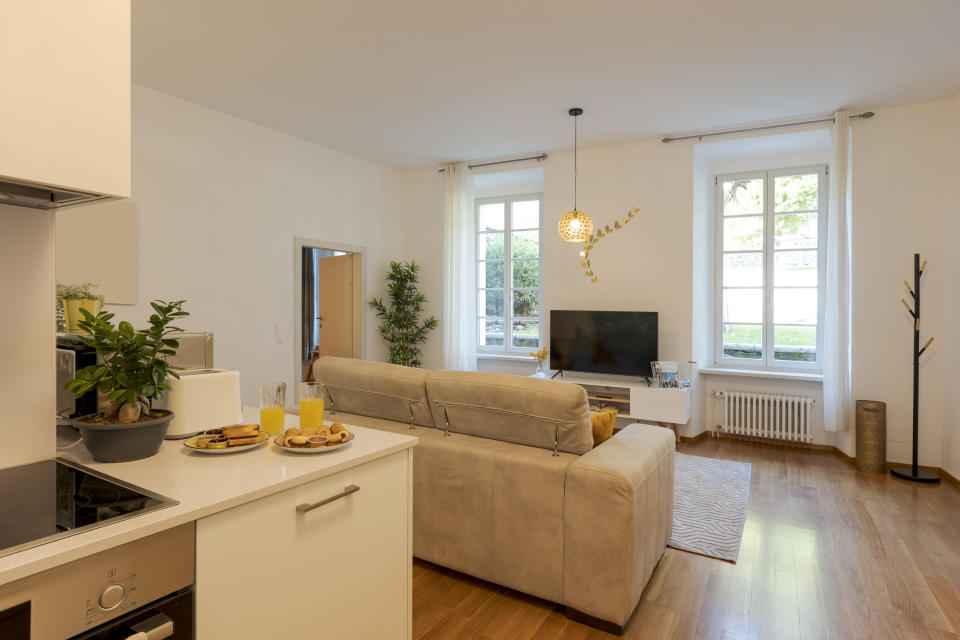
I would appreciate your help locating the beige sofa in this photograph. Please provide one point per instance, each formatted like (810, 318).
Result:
(509, 488)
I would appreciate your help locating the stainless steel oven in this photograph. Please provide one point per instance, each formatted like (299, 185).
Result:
(141, 590)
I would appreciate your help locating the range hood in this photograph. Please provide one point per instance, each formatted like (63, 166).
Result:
(38, 196)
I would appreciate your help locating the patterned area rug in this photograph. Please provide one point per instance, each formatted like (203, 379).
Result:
(709, 505)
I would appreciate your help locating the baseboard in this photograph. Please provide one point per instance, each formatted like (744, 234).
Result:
(944, 475)
(783, 444)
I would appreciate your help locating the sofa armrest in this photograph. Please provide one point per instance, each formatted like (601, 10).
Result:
(617, 519)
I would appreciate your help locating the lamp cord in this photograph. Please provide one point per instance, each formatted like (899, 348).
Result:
(575, 163)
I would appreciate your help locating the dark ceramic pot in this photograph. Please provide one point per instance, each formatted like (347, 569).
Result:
(124, 442)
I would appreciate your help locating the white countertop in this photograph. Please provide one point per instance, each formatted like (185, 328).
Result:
(203, 484)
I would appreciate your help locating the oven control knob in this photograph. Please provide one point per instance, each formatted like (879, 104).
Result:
(112, 596)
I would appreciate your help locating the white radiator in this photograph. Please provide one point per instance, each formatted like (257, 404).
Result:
(767, 415)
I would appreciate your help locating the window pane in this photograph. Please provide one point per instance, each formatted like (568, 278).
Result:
(743, 196)
(526, 244)
(743, 270)
(526, 303)
(795, 306)
(743, 305)
(743, 234)
(796, 193)
(490, 274)
(795, 343)
(490, 246)
(526, 333)
(526, 214)
(490, 302)
(795, 268)
(743, 341)
(795, 231)
(526, 274)
(491, 332)
(490, 216)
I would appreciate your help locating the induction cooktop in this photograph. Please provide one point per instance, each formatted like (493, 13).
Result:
(52, 499)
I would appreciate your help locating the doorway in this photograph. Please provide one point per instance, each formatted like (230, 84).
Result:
(330, 303)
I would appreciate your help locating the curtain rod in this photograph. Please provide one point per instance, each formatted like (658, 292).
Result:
(699, 136)
(538, 157)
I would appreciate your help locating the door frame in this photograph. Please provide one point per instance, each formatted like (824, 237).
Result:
(299, 244)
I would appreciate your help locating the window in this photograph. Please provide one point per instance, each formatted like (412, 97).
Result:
(770, 270)
(508, 273)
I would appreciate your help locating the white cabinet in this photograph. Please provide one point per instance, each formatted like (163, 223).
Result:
(65, 112)
(341, 570)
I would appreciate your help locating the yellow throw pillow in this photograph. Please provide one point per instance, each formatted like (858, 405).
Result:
(603, 422)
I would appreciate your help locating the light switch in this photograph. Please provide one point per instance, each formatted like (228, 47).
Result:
(278, 334)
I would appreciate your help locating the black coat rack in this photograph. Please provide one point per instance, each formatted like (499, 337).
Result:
(914, 473)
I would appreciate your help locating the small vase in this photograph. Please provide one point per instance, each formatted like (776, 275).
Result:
(541, 371)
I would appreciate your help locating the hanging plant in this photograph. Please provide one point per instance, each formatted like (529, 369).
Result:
(402, 328)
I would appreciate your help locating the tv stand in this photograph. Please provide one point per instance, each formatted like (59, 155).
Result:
(634, 399)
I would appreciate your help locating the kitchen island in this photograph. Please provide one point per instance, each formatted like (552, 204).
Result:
(253, 544)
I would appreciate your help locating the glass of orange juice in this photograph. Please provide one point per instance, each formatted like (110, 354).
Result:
(273, 400)
(311, 407)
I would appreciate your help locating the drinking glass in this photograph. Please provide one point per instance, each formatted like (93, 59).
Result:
(311, 407)
(273, 400)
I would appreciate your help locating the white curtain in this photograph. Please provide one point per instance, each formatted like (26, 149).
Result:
(459, 320)
(837, 388)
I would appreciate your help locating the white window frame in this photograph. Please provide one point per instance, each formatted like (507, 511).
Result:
(507, 346)
(767, 362)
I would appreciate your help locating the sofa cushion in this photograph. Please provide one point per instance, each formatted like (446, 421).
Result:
(528, 411)
(375, 389)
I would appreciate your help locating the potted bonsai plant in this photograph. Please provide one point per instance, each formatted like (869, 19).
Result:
(71, 298)
(131, 372)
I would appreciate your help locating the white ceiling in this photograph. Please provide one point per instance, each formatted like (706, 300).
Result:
(413, 83)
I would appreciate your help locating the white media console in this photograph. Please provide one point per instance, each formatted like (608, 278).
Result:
(633, 398)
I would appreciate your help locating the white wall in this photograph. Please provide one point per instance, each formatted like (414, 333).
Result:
(422, 213)
(219, 203)
(951, 432)
(903, 167)
(27, 345)
(904, 162)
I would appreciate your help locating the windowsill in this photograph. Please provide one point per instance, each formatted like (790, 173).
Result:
(505, 356)
(800, 376)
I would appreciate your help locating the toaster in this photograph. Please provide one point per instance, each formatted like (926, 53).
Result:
(201, 399)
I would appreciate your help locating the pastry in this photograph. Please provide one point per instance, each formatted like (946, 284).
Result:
(236, 442)
(316, 441)
(334, 438)
(241, 431)
(336, 427)
(345, 436)
(292, 432)
(297, 441)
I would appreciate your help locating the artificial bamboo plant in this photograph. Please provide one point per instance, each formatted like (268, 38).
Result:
(402, 327)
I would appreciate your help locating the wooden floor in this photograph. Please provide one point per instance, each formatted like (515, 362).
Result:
(828, 552)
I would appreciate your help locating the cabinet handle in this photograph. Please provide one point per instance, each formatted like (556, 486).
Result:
(303, 508)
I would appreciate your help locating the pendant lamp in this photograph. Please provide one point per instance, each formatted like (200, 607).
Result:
(575, 226)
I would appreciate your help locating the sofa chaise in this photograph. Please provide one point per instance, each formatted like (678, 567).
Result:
(509, 488)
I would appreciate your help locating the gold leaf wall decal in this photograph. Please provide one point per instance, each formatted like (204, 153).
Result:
(590, 243)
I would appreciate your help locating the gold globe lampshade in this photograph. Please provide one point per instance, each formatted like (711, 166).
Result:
(575, 226)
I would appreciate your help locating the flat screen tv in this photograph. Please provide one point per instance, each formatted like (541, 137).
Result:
(616, 342)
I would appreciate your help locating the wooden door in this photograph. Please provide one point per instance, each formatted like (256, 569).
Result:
(335, 295)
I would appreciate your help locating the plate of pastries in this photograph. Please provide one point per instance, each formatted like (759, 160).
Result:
(325, 439)
(240, 437)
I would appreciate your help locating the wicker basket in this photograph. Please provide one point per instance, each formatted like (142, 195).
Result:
(872, 436)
